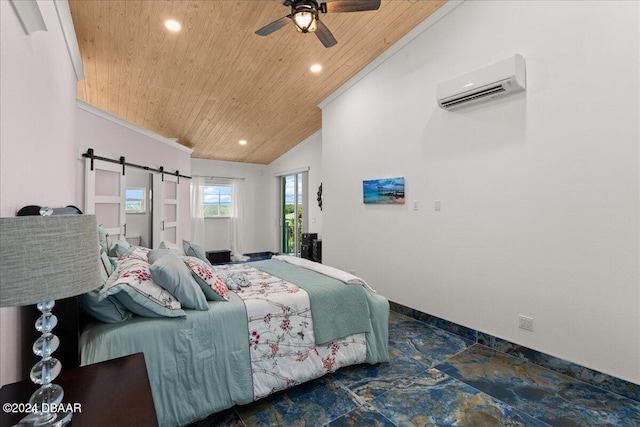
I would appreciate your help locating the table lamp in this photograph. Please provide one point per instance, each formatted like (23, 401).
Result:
(44, 258)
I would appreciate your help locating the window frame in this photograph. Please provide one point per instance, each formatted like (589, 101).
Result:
(143, 200)
(218, 183)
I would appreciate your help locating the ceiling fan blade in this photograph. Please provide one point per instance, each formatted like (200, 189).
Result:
(274, 26)
(350, 5)
(325, 35)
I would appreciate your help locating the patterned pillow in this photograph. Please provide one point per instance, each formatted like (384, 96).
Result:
(140, 253)
(211, 284)
(136, 290)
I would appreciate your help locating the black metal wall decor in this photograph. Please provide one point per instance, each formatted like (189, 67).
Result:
(319, 193)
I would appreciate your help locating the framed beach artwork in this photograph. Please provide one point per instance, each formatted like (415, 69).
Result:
(387, 191)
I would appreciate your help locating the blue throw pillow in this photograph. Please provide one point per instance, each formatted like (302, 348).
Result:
(108, 310)
(121, 248)
(103, 238)
(191, 249)
(170, 272)
(134, 287)
(155, 254)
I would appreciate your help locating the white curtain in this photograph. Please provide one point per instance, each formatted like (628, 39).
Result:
(197, 211)
(237, 221)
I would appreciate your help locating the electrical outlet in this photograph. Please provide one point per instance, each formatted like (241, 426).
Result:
(525, 322)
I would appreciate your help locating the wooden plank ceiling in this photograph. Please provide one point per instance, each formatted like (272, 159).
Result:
(216, 82)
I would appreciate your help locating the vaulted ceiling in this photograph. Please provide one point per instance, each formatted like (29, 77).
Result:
(216, 82)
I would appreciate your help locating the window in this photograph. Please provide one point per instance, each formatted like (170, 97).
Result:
(217, 200)
(135, 200)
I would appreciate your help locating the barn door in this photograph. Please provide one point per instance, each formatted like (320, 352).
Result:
(104, 196)
(166, 202)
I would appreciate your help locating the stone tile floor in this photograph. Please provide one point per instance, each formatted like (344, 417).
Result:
(436, 378)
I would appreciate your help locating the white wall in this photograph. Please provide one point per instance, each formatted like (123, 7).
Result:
(110, 139)
(262, 195)
(42, 131)
(256, 202)
(37, 137)
(539, 192)
(307, 154)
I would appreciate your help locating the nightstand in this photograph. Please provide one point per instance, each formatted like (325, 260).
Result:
(111, 393)
(219, 257)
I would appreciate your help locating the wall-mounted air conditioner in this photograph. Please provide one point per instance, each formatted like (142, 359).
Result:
(493, 81)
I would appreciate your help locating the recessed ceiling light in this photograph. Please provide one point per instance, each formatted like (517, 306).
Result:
(242, 142)
(172, 25)
(316, 68)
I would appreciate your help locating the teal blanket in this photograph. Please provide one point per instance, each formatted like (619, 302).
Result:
(197, 365)
(201, 364)
(338, 310)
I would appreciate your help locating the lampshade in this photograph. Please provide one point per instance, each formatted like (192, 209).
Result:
(47, 257)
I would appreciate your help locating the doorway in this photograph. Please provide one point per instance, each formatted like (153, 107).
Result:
(294, 204)
(139, 208)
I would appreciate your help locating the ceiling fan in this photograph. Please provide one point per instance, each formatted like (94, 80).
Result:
(304, 14)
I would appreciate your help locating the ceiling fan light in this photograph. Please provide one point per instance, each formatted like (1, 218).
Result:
(313, 27)
(305, 21)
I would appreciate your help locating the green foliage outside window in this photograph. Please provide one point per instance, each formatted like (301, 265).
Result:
(216, 210)
(290, 227)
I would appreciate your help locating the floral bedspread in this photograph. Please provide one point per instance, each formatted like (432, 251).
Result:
(281, 339)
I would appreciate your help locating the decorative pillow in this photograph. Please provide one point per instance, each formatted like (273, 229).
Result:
(172, 273)
(234, 280)
(139, 253)
(191, 249)
(155, 254)
(121, 248)
(108, 310)
(135, 289)
(210, 284)
(173, 247)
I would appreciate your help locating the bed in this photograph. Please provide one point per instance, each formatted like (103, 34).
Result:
(285, 322)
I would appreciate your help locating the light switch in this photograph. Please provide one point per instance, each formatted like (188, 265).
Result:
(436, 205)
(415, 205)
